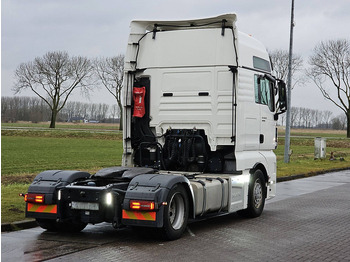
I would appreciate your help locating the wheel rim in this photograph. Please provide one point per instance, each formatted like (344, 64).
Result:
(257, 193)
(176, 211)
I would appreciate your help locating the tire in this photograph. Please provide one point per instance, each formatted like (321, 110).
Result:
(256, 196)
(52, 225)
(175, 213)
(48, 224)
(70, 226)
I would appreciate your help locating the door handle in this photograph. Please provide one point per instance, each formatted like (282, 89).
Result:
(261, 138)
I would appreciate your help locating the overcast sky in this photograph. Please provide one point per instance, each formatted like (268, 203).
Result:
(94, 28)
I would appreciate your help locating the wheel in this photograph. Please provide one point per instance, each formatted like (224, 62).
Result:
(67, 226)
(256, 196)
(175, 213)
(48, 224)
(70, 226)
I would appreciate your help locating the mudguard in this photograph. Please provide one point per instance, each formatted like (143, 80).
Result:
(48, 181)
(153, 187)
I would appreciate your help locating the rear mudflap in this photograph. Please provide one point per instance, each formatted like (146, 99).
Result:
(41, 211)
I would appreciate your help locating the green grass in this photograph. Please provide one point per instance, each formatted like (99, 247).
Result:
(12, 205)
(302, 159)
(86, 134)
(64, 125)
(35, 154)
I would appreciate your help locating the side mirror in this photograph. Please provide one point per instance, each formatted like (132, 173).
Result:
(282, 96)
(282, 99)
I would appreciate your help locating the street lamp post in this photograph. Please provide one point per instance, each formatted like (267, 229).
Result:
(289, 88)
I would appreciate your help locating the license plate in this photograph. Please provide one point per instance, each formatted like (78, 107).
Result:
(85, 205)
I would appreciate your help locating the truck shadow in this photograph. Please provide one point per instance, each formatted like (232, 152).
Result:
(47, 245)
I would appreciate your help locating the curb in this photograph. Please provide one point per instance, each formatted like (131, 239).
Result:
(18, 225)
(26, 224)
(298, 176)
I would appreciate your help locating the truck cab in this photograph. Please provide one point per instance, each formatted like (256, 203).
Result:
(209, 99)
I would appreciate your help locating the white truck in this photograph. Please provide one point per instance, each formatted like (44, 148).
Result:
(200, 112)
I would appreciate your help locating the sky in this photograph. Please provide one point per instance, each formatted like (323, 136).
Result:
(100, 28)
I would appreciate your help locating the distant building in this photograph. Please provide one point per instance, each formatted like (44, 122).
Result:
(93, 121)
(76, 119)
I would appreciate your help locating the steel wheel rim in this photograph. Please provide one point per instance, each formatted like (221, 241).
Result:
(176, 211)
(257, 194)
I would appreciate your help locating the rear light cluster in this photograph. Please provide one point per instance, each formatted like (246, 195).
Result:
(34, 198)
(142, 205)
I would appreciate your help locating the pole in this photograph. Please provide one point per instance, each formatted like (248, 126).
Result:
(289, 90)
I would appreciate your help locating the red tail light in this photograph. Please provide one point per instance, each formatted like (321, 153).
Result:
(142, 205)
(34, 198)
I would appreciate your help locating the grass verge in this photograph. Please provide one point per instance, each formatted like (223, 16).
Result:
(12, 205)
(302, 159)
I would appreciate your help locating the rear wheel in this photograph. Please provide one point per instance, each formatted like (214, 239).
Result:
(48, 224)
(256, 196)
(175, 213)
(70, 226)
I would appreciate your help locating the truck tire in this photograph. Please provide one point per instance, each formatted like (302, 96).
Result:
(52, 225)
(175, 213)
(70, 226)
(48, 224)
(256, 196)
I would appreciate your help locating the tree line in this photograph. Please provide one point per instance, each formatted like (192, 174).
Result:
(302, 117)
(35, 110)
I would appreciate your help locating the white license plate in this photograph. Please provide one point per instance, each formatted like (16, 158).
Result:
(85, 205)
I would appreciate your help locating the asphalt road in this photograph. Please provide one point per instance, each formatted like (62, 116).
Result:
(308, 221)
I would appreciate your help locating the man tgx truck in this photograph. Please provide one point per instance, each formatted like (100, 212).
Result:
(200, 111)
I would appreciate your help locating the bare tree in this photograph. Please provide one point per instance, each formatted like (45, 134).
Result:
(339, 122)
(102, 110)
(330, 63)
(110, 71)
(294, 115)
(279, 59)
(326, 116)
(92, 110)
(53, 78)
(114, 111)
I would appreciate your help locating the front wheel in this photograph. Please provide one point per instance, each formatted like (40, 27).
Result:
(256, 196)
(175, 213)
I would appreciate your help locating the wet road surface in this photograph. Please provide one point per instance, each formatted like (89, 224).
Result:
(309, 220)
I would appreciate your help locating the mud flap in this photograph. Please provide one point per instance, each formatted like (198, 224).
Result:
(150, 187)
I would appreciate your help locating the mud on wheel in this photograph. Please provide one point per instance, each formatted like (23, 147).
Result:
(175, 213)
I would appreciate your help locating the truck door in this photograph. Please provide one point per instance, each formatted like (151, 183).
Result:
(264, 96)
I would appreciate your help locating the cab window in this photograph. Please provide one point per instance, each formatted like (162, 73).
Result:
(264, 92)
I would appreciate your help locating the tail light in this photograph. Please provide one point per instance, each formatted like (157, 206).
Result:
(34, 198)
(142, 205)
